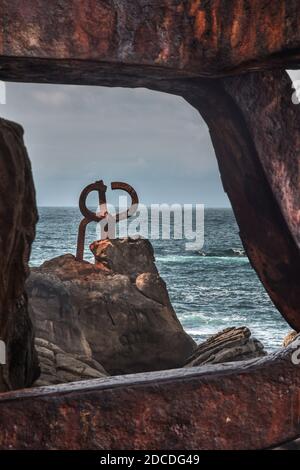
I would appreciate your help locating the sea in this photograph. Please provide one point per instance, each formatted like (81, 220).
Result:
(210, 289)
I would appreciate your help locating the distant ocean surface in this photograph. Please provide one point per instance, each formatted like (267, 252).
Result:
(210, 290)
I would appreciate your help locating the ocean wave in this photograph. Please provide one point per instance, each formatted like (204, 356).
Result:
(228, 253)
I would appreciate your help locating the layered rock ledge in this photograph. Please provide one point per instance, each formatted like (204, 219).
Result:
(229, 345)
(57, 366)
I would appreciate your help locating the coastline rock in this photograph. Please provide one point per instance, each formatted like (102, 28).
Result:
(289, 338)
(229, 345)
(129, 256)
(57, 366)
(116, 312)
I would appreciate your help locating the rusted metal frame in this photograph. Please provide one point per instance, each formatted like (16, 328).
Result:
(247, 405)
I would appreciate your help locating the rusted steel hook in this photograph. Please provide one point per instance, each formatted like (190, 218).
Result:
(90, 216)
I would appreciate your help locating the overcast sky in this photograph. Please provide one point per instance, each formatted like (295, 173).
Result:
(77, 134)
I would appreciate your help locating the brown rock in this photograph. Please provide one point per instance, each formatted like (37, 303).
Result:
(18, 217)
(289, 338)
(231, 344)
(130, 256)
(124, 321)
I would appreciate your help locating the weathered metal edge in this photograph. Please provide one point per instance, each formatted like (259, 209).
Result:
(157, 377)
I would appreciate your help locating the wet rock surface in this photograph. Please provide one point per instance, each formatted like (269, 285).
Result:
(229, 345)
(122, 320)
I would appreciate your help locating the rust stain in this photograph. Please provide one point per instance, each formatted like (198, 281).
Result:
(237, 32)
(215, 24)
(165, 51)
(124, 32)
(199, 15)
(250, 43)
(194, 7)
(200, 24)
(94, 28)
(274, 32)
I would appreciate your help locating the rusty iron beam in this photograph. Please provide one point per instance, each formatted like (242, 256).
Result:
(247, 405)
(186, 38)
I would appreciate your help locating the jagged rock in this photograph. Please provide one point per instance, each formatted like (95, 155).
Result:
(57, 366)
(289, 338)
(113, 312)
(231, 344)
(129, 256)
(18, 217)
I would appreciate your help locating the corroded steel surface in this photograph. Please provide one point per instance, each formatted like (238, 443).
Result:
(255, 130)
(166, 46)
(90, 216)
(248, 405)
(202, 37)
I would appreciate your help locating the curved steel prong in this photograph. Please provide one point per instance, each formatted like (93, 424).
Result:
(90, 216)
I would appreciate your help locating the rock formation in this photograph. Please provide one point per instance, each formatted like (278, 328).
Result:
(116, 312)
(231, 344)
(18, 217)
(115, 317)
(289, 338)
(57, 366)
